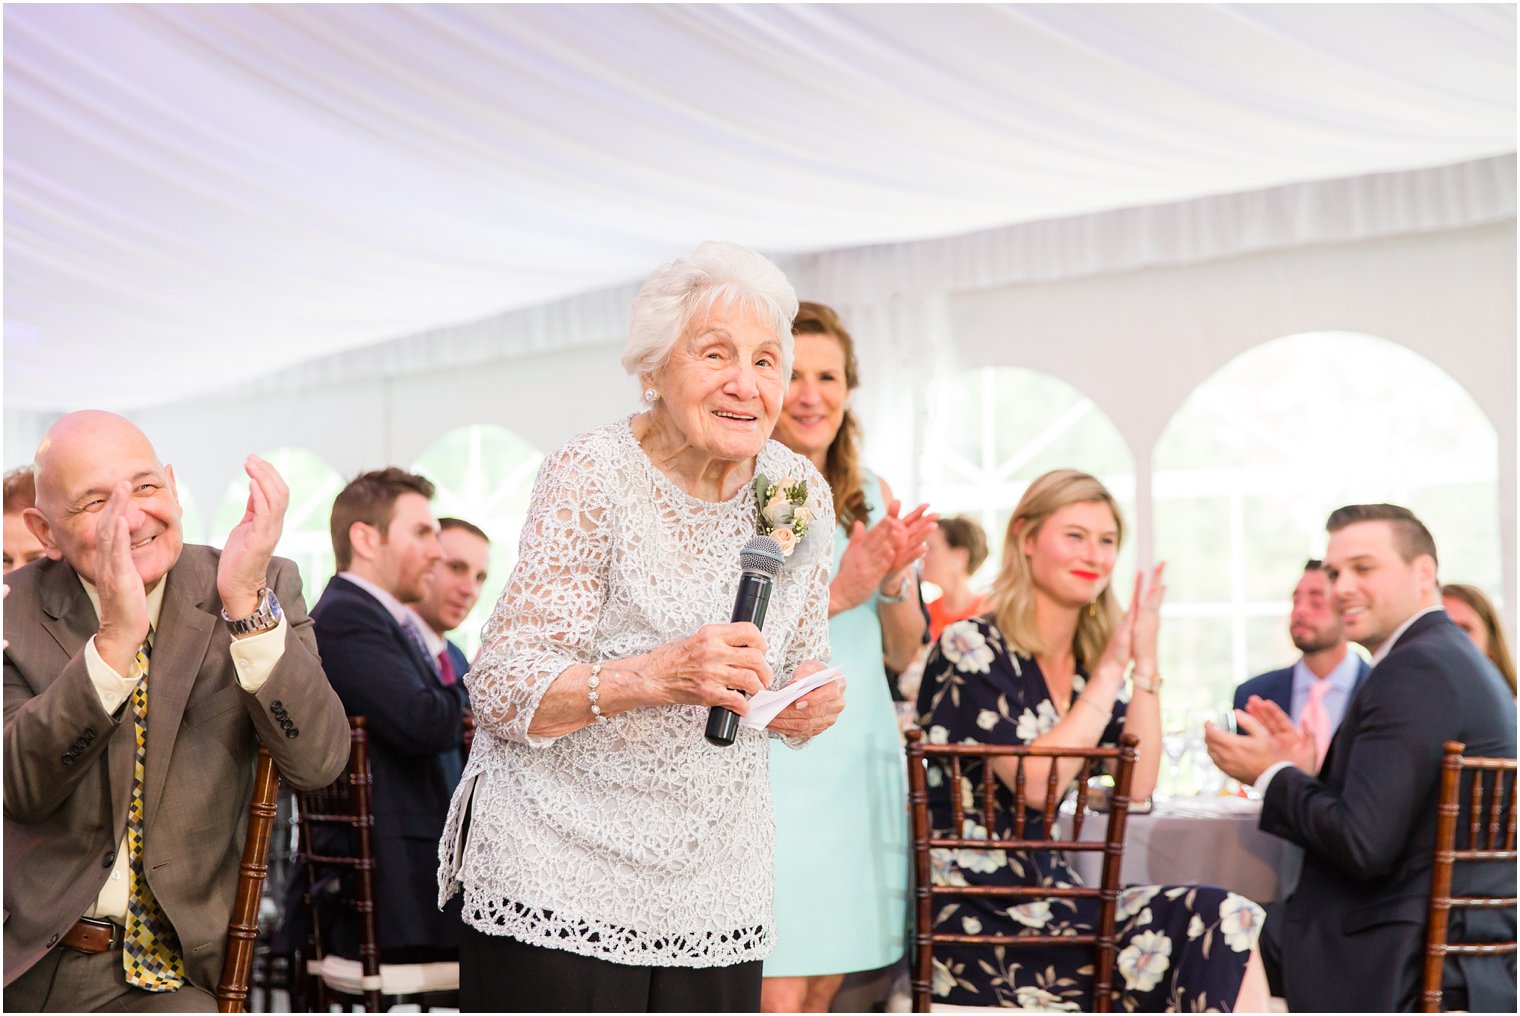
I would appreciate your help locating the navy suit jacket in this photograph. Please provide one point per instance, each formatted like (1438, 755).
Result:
(1354, 929)
(1277, 686)
(415, 734)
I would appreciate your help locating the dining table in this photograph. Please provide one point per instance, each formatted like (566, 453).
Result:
(1208, 840)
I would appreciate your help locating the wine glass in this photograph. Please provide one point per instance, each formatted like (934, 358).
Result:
(1212, 781)
(1173, 744)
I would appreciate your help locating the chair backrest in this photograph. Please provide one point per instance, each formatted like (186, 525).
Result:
(1120, 761)
(343, 806)
(1482, 790)
(243, 927)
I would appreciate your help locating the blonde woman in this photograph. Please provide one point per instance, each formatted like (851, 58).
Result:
(1054, 661)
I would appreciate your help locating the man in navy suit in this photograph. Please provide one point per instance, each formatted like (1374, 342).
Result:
(386, 544)
(1350, 936)
(1317, 632)
(458, 578)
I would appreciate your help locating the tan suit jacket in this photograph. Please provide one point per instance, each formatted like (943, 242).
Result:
(68, 764)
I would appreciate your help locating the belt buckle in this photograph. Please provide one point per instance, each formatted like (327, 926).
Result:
(116, 931)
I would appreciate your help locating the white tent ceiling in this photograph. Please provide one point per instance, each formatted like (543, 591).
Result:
(200, 194)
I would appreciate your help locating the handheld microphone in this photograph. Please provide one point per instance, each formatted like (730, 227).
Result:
(759, 563)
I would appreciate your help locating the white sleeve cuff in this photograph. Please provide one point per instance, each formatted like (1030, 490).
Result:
(112, 688)
(1266, 777)
(254, 657)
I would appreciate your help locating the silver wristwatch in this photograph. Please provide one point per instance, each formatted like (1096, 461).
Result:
(264, 617)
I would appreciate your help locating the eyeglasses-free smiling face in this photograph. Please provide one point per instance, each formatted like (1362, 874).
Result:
(83, 463)
(721, 389)
(1072, 555)
(815, 399)
(457, 579)
(1373, 587)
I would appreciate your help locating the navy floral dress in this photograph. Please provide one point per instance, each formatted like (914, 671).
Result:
(1180, 948)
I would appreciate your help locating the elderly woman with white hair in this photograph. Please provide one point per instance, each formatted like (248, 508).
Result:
(610, 857)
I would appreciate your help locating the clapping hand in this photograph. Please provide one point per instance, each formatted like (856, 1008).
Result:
(1135, 637)
(1267, 736)
(867, 559)
(1147, 623)
(123, 599)
(244, 567)
(910, 534)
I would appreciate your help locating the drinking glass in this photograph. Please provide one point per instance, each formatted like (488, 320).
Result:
(1211, 780)
(1173, 744)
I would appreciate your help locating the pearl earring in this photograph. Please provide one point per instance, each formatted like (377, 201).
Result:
(651, 396)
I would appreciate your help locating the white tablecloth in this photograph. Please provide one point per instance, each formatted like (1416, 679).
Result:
(1205, 840)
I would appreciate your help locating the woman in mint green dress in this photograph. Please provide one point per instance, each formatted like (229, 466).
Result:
(841, 805)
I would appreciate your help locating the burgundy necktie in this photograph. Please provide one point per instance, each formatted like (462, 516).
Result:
(446, 673)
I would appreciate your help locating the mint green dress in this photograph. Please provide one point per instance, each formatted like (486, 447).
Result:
(841, 815)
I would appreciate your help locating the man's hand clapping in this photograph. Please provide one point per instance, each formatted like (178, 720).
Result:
(244, 565)
(123, 599)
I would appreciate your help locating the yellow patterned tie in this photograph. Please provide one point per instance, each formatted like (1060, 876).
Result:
(150, 948)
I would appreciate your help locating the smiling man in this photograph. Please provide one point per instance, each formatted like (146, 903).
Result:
(1350, 936)
(458, 579)
(123, 835)
(385, 540)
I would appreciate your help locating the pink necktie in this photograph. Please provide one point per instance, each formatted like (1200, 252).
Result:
(1316, 721)
(446, 672)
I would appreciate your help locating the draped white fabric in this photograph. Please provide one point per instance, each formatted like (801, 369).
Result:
(235, 189)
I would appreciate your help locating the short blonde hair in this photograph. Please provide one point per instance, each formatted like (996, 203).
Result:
(1012, 599)
(687, 289)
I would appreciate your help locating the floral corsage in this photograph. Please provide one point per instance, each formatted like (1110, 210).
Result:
(784, 515)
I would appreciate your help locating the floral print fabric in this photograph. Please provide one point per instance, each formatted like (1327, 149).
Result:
(1180, 948)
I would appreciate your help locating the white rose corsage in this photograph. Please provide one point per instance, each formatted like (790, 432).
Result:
(784, 515)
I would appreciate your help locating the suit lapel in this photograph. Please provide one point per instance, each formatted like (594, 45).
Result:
(425, 665)
(68, 616)
(70, 620)
(1351, 718)
(179, 650)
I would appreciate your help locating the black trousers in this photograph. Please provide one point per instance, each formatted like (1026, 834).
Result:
(500, 974)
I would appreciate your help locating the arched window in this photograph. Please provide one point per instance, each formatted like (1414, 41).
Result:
(484, 474)
(191, 522)
(1258, 456)
(992, 430)
(306, 539)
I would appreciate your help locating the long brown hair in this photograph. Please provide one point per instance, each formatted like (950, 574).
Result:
(1012, 598)
(841, 466)
(1498, 645)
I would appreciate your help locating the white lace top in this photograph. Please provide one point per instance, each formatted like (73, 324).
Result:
(634, 840)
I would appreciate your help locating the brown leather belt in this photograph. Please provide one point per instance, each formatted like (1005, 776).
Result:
(90, 935)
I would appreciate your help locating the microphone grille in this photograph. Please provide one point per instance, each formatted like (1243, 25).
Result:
(762, 554)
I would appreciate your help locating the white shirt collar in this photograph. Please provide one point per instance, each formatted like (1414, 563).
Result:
(1392, 640)
(155, 599)
(1342, 678)
(387, 600)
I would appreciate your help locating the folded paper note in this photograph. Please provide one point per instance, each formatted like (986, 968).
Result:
(767, 705)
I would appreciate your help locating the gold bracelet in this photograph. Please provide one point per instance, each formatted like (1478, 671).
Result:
(1152, 687)
(1082, 701)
